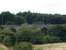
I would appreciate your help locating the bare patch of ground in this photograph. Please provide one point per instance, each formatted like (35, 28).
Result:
(3, 46)
(55, 46)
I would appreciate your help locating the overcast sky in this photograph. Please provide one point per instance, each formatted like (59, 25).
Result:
(40, 6)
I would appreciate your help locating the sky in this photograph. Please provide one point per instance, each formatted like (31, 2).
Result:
(39, 6)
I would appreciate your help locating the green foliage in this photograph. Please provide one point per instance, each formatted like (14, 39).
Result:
(51, 39)
(30, 34)
(23, 46)
(31, 18)
(36, 28)
(9, 40)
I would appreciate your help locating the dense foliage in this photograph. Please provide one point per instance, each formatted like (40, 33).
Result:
(32, 33)
(31, 18)
(25, 28)
(23, 46)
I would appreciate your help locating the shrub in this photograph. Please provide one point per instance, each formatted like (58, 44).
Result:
(23, 46)
(9, 40)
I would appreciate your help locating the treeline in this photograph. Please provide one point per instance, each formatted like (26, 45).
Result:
(7, 18)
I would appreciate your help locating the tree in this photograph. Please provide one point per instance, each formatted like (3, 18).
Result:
(7, 17)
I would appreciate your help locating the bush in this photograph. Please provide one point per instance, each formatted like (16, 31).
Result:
(51, 39)
(23, 46)
(9, 40)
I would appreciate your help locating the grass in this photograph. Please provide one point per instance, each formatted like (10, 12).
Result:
(2, 49)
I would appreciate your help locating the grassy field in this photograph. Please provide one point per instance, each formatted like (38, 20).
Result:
(55, 46)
